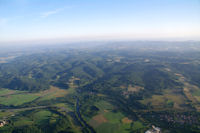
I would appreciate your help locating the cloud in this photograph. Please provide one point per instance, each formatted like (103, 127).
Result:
(49, 13)
(56, 11)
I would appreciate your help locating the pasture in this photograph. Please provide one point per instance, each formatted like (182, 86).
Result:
(16, 98)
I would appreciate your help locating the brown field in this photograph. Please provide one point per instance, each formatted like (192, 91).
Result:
(97, 120)
(53, 92)
(126, 120)
(105, 110)
(123, 87)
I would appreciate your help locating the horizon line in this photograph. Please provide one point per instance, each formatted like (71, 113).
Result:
(97, 38)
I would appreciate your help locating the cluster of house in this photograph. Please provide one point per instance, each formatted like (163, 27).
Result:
(2, 123)
(180, 118)
(154, 130)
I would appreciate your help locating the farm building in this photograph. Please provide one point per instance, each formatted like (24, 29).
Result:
(2, 123)
(154, 130)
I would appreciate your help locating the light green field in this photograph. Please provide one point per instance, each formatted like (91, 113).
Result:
(103, 105)
(113, 128)
(23, 121)
(41, 116)
(4, 92)
(196, 93)
(114, 117)
(35, 117)
(137, 125)
(12, 97)
(107, 128)
(17, 99)
(5, 114)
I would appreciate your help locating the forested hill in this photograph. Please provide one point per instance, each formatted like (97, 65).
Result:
(37, 71)
(116, 87)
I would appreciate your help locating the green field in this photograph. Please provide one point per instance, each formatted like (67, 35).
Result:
(17, 99)
(10, 97)
(4, 92)
(42, 116)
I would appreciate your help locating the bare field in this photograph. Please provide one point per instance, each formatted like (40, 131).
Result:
(53, 92)
(97, 120)
(126, 120)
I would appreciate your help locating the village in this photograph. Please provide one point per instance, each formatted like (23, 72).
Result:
(180, 118)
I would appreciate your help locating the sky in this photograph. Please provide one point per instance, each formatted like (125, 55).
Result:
(55, 20)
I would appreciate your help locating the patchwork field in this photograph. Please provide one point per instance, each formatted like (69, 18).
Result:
(108, 120)
(170, 98)
(31, 117)
(191, 91)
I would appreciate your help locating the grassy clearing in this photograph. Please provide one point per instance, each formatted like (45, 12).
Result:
(4, 92)
(107, 128)
(196, 93)
(51, 93)
(42, 116)
(35, 117)
(12, 97)
(137, 125)
(113, 128)
(103, 106)
(5, 114)
(114, 117)
(17, 99)
(23, 121)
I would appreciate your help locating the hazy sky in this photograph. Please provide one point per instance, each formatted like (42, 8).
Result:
(133, 19)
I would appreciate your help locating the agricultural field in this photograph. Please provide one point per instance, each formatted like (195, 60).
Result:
(105, 118)
(15, 98)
